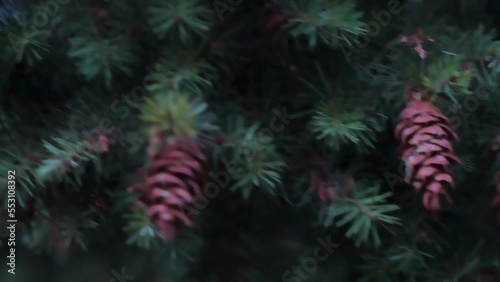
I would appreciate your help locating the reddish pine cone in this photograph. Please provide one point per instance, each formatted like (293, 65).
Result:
(173, 180)
(426, 150)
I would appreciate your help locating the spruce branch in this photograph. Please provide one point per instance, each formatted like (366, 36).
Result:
(183, 71)
(364, 213)
(140, 230)
(399, 259)
(68, 156)
(180, 20)
(43, 236)
(332, 22)
(98, 58)
(177, 113)
(339, 123)
(254, 162)
(448, 76)
(22, 43)
(25, 183)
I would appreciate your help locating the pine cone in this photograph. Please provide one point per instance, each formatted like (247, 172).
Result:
(173, 181)
(426, 150)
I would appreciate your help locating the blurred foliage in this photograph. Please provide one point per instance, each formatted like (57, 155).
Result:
(280, 110)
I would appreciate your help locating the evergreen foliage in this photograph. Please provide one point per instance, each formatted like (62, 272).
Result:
(292, 107)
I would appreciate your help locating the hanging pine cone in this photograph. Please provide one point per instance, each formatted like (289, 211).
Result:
(173, 180)
(426, 149)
